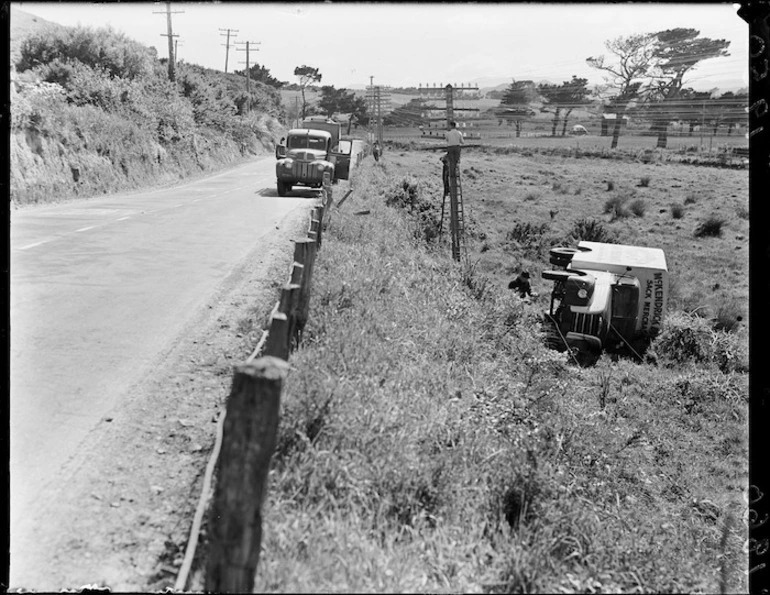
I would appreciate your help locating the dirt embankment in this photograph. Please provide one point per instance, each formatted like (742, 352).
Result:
(73, 160)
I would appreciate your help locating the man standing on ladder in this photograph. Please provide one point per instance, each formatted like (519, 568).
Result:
(454, 140)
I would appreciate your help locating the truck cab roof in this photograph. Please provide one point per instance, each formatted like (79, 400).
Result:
(309, 131)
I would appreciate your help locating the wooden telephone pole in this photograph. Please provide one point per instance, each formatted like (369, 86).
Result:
(227, 43)
(456, 209)
(248, 74)
(379, 99)
(170, 35)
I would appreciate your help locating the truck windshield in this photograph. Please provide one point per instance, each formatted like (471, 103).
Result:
(307, 142)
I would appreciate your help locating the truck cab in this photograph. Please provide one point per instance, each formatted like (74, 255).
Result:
(606, 296)
(309, 153)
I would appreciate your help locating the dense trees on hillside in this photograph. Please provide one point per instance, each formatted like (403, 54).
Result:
(83, 95)
(102, 49)
(104, 69)
(261, 74)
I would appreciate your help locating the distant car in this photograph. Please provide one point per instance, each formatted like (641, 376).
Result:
(579, 130)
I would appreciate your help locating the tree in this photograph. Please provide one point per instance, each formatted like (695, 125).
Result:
(336, 100)
(262, 74)
(567, 96)
(359, 114)
(626, 74)
(514, 105)
(306, 76)
(676, 52)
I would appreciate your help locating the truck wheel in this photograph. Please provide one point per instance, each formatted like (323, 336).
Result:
(561, 256)
(283, 188)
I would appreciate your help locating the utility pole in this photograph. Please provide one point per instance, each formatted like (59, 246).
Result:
(380, 102)
(248, 74)
(170, 35)
(456, 208)
(227, 43)
(176, 48)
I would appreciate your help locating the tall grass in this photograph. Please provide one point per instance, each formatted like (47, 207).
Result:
(430, 442)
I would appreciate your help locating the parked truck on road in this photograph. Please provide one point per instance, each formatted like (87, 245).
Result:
(606, 296)
(311, 151)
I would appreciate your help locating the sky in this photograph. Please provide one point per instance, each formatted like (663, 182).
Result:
(408, 44)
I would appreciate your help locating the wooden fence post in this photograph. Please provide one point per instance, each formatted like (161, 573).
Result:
(250, 433)
(304, 252)
(314, 233)
(296, 273)
(278, 338)
(289, 305)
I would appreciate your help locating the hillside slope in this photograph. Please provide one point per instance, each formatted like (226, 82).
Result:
(94, 112)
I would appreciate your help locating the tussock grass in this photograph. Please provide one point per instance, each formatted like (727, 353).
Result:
(590, 230)
(617, 207)
(710, 227)
(638, 207)
(529, 237)
(429, 442)
(677, 211)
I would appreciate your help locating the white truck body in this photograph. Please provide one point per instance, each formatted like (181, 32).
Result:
(648, 265)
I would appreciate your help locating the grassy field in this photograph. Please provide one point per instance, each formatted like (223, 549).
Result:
(429, 441)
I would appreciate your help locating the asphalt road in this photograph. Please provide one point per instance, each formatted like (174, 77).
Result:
(99, 288)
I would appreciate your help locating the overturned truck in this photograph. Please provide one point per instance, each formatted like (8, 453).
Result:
(606, 297)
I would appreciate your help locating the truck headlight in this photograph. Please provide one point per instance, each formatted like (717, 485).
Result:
(288, 163)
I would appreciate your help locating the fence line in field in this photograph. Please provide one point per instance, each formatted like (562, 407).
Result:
(248, 427)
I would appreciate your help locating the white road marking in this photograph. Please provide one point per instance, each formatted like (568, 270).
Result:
(122, 218)
(84, 228)
(33, 245)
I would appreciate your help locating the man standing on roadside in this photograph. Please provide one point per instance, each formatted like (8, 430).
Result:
(454, 140)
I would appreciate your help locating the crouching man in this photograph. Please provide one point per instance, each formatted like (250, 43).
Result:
(522, 285)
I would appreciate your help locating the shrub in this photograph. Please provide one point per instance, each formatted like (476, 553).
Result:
(406, 194)
(645, 181)
(691, 198)
(728, 317)
(590, 230)
(610, 185)
(677, 210)
(617, 207)
(638, 207)
(100, 48)
(687, 338)
(529, 235)
(711, 227)
(684, 338)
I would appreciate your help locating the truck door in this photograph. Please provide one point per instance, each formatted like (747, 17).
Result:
(340, 157)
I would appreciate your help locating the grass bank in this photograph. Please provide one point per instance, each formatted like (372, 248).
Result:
(429, 441)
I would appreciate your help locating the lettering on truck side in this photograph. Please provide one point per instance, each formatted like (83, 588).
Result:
(657, 311)
(647, 304)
